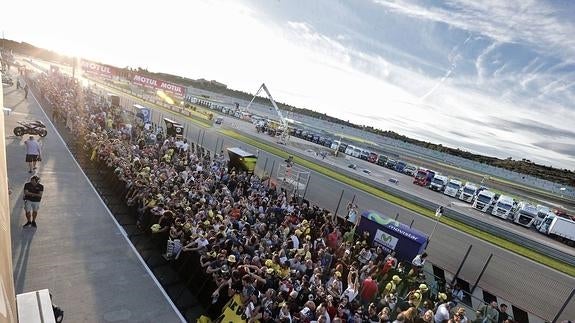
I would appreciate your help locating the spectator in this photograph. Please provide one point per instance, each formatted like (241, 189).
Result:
(488, 313)
(502, 313)
(33, 191)
(368, 290)
(33, 153)
(442, 313)
(457, 293)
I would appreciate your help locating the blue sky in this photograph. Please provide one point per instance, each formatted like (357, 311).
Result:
(493, 77)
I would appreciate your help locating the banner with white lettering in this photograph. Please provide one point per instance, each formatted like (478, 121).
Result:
(99, 69)
(159, 85)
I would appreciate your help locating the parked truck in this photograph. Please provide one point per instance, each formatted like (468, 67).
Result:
(524, 214)
(392, 235)
(453, 187)
(438, 183)
(423, 177)
(559, 228)
(410, 170)
(391, 163)
(542, 213)
(483, 200)
(502, 208)
(382, 160)
(400, 166)
(468, 192)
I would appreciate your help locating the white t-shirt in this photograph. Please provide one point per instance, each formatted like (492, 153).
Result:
(351, 292)
(442, 314)
(32, 147)
(202, 242)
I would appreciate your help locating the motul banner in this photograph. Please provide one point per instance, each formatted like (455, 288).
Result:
(95, 68)
(159, 85)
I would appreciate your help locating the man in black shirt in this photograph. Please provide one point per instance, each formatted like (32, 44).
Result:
(32, 196)
(503, 313)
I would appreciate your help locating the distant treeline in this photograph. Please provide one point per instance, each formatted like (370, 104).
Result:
(525, 166)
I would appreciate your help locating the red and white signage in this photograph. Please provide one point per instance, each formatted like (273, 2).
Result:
(159, 85)
(95, 68)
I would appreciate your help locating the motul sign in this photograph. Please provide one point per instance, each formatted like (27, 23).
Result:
(158, 84)
(95, 68)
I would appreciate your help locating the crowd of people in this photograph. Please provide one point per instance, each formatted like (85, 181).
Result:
(280, 258)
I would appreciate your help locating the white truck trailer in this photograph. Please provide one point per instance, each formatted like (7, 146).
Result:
(483, 200)
(559, 228)
(468, 192)
(503, 207)
(452, 188)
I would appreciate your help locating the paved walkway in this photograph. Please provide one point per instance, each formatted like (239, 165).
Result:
(78, 251)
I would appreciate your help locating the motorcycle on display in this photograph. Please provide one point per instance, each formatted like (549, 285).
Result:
(31, 128)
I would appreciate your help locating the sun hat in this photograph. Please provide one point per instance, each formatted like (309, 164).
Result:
(232, 258)
(442, 297)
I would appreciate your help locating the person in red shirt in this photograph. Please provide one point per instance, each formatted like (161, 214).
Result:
(368, 290)
(332, 239)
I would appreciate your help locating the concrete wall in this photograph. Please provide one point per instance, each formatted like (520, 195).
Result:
(7, 297)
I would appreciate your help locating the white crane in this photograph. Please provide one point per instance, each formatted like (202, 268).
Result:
(284, 126)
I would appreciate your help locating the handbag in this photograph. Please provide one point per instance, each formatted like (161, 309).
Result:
(39, 158)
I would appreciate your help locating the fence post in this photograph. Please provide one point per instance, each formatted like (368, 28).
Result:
(217, 144)
(338, 202)
(265, 165)
(297, 185)
(481, 273)
(564, 305)
(271, 172)
(306, 185)
(461, 265)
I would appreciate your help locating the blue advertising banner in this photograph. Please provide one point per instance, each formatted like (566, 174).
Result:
(392, 235)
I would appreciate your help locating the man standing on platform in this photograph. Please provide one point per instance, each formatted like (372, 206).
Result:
(33, 191)
(32, 153)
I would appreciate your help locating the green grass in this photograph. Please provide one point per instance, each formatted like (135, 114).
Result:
(521, 250)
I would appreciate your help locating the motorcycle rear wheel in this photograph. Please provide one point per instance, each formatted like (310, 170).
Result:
(19, 131)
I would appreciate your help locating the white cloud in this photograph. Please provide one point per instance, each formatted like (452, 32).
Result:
(533, 22)
(397, 96)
